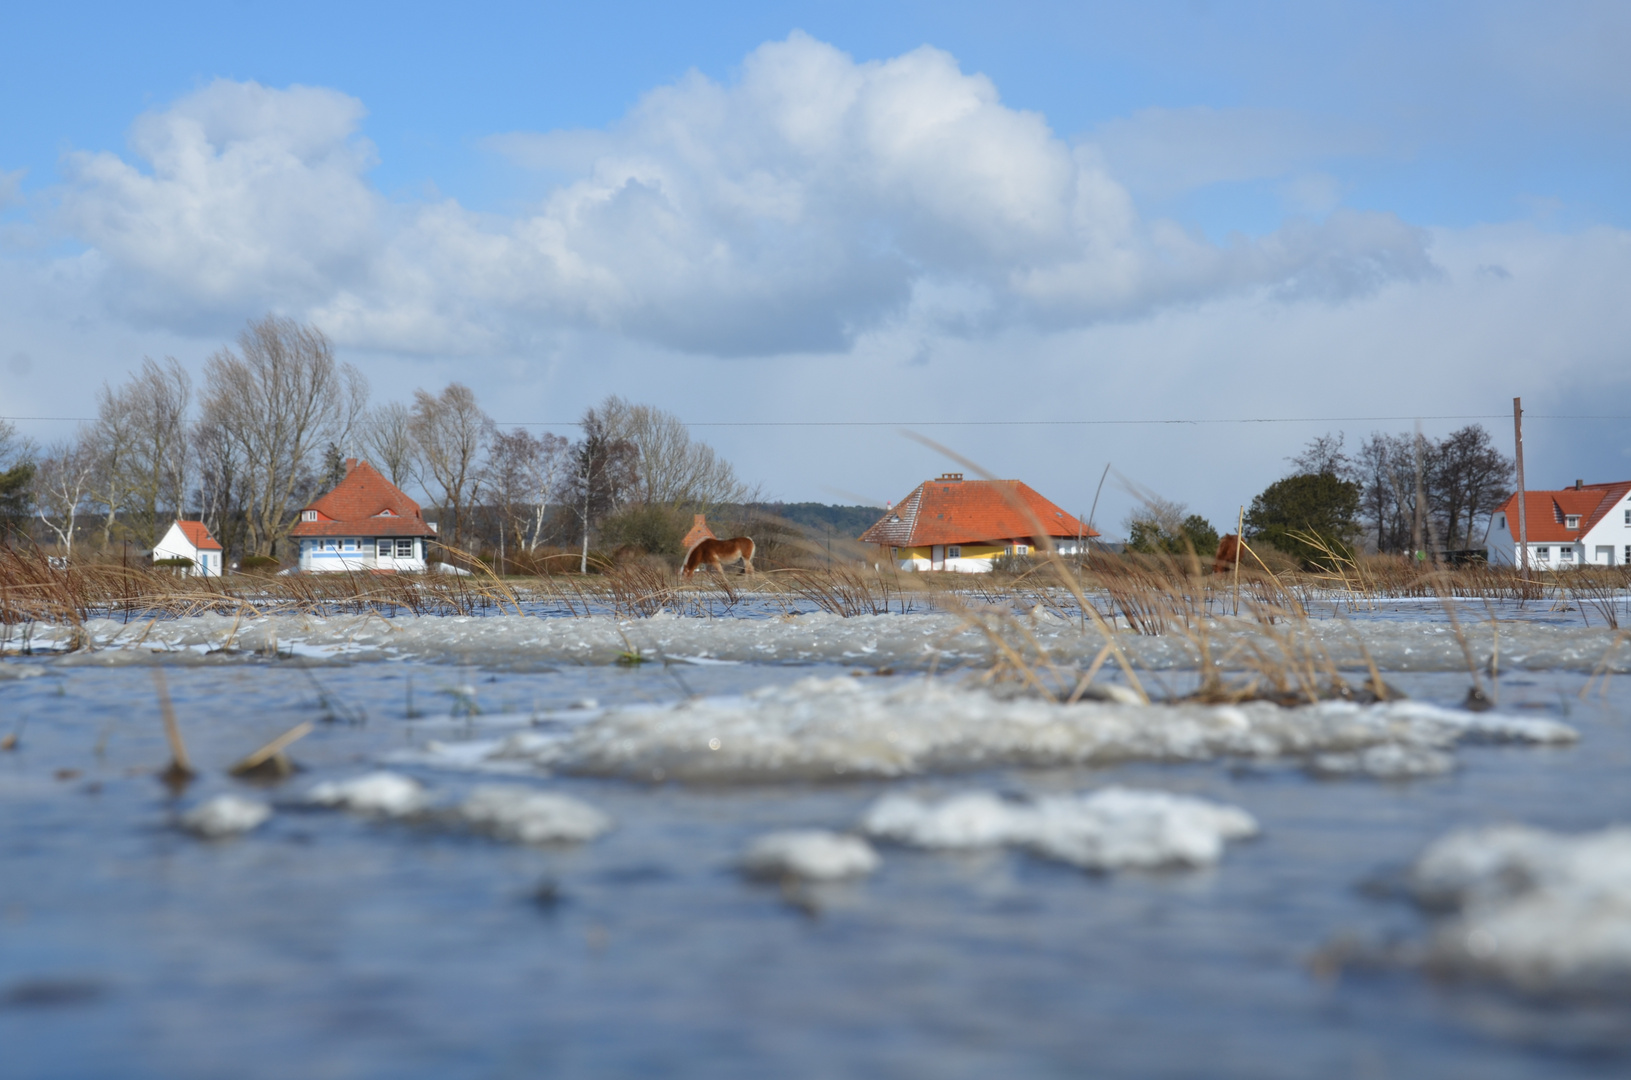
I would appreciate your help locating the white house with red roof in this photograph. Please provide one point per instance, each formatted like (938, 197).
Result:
(1586, 525)
(365, 523)
(191, 540)
(963, 525)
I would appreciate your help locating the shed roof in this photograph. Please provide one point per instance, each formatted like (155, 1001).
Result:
(951, 510)
(1546, 512)
(198, 535)
(364, 504)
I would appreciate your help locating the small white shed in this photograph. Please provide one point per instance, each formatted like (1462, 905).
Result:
(191, 540)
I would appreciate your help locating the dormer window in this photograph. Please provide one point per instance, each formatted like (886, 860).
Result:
(385, 513)
(1571, 521)
(308, 515)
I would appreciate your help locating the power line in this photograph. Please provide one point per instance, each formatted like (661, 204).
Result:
(1014, 423)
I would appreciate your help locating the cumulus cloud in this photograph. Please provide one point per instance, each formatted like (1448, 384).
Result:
(813, 200)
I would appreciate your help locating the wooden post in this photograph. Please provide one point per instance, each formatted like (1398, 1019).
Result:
(1523, 517)
(1240, 538)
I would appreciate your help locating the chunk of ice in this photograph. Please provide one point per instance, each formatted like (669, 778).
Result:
(225, 815)
(532, 817)
(386, 794)
(1537, 910)
(1390, 761)
(810, 854)
(842, 727)
(1110, 829)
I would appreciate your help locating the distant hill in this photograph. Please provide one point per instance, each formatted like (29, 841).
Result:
(824, 519)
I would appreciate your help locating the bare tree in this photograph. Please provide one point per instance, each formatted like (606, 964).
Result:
(281, 400)
(61, 486)
(219, 497)
(157, 399)
(387, 438)
(452, 432)
(111, 440)
(670, 466)
(603, 471)
(522, 474)
(1471, 479)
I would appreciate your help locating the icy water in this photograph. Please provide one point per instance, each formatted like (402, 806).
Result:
(327, 942)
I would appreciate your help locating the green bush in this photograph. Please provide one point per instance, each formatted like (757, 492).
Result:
(179, 562)
(259, 564)
(653, 529)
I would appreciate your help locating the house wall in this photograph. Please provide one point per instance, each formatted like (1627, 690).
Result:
(955, 558)
(318, 557)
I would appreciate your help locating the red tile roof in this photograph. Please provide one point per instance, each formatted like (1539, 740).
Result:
(198, 535)
(364, 504)
(1546, 511)
(952, 510)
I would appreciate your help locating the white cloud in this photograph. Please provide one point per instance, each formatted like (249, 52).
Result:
(813, 200)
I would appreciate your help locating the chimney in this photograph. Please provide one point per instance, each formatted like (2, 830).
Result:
(1578, 484)
(350, 463)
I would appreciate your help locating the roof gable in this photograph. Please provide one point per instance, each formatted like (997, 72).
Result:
(952, 510)
(358, 502)
(198, 535)
(1546, 513)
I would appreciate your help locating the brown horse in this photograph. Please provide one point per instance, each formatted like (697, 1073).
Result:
(1230, 549)
(719, 552)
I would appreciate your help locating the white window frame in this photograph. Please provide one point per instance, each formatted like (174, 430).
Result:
(383, 547)
(954, 551)
(1544, 553)
(349, 544)
(1565, 553)
(1571, 521)
(404, 549)
(308, 515)
(330, 544)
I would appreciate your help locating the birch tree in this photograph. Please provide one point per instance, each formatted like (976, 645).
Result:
(61, 486)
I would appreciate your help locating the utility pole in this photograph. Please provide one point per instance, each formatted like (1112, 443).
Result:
(1523, 518)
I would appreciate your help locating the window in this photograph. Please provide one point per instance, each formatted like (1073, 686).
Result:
(350, 544)
(1543, 553)
(1628, 517)
(330, 545)
(1022, 549)
(311, 515)
(954, 553)
(404, 549)
(1566, 554)
(1571, 521)
(385, 549)
(1627, 555)
(1500, 522)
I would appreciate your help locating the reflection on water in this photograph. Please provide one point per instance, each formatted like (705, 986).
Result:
(334, 941)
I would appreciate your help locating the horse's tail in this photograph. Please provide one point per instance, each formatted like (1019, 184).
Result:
(750, 549)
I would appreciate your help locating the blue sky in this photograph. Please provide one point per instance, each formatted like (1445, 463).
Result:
(1160, 210)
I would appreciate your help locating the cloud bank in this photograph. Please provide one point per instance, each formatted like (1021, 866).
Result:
(812, 201)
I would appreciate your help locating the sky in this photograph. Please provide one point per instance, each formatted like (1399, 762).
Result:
(1175, 239)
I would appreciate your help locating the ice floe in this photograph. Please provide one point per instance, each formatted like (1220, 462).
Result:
(386, 794)
(1113, 828)
(809, 855)
(528, 816)
(904, 642)
(821, 728)
(225, 815)
(1538, 910)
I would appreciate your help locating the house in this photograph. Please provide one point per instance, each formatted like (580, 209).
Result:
(962, 525)
(364, 523)
(191, 540)
(1586, 525)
